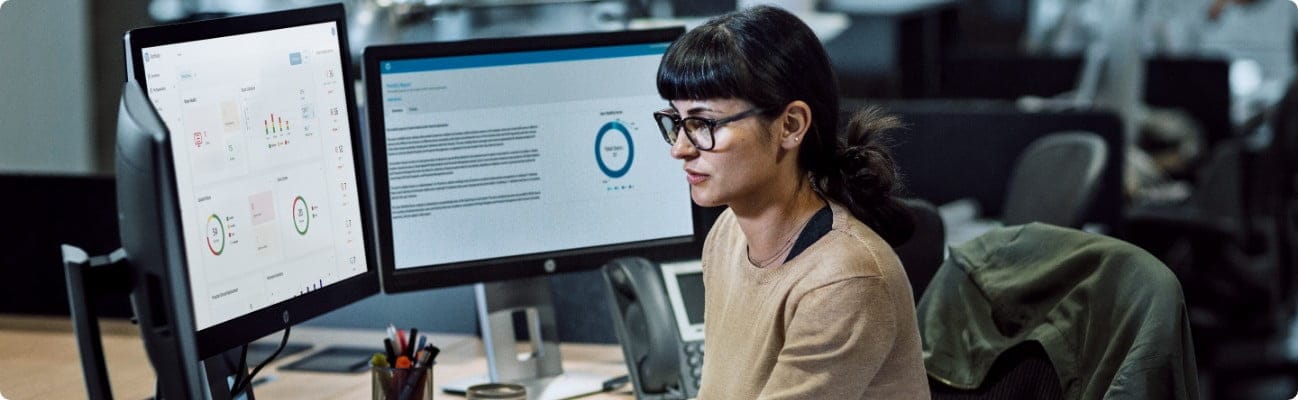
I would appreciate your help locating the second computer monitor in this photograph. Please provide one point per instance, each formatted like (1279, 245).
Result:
(509, 158)
(263, 164)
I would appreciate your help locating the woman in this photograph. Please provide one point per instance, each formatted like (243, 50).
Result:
(805, 297)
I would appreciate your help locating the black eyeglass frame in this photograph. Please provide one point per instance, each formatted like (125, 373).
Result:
(671, 136)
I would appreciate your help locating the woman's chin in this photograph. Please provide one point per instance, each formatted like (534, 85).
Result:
(704, 200)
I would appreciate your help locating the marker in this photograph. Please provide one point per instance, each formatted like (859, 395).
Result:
(381, 362)
(409, 387)
(432, 352)
(392, 333)
(387, 344)
(410, 345)
(400, 343)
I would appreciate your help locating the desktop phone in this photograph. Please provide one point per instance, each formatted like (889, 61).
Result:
(658, 317)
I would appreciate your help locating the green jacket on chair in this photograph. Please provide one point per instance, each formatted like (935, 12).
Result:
(1110, 316)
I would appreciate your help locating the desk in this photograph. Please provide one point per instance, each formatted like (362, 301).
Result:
(39, 359)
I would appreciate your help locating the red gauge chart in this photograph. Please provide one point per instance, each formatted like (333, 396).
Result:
(215, 235)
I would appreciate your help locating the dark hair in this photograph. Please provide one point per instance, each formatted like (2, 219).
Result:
(770, 58)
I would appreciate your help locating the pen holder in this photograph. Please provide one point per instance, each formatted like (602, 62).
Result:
(391, 383)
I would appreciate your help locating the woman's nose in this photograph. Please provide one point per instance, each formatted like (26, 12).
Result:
(683, 148)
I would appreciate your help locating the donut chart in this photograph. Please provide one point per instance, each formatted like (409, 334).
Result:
(614, 153)
(301, 215)
(215, 235)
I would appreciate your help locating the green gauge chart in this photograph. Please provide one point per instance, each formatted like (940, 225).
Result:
(301, 215)
(215, 235)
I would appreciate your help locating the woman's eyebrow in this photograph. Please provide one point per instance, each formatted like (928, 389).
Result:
(699, 109)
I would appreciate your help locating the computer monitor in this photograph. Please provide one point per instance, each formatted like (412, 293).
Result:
(241, 192)
(506, 159)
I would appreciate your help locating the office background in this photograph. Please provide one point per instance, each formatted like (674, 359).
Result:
(957, 68)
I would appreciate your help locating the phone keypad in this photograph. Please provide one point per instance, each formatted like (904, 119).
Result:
(694, 357)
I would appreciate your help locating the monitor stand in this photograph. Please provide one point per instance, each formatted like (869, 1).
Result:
(109, 274)
(536, 363)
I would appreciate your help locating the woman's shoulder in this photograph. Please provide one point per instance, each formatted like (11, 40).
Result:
(852, 249)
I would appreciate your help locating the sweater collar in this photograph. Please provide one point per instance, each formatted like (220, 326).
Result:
(772, 273)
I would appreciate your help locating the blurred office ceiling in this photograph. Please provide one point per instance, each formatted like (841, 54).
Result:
(373, 22)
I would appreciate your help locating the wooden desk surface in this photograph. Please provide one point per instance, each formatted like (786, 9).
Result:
(39, 360)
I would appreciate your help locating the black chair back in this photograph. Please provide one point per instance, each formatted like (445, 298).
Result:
(1055, 180)
(922, 254)
(1022, 372)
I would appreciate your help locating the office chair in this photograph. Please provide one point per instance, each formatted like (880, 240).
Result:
(1109, 317)
(1282, 157)
(1022, 372)
(1232, 241)
(1232, 244)
(1055, 180)
(922, 254)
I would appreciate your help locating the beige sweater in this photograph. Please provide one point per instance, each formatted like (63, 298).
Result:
(835, 322)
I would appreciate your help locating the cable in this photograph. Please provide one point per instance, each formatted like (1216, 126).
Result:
(242, 368)
(240, 386)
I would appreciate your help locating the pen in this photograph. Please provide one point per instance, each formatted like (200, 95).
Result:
(415, 376)
(432, 352)
(400, 343)
(422, 341)
(401, 374)
(392, 335)
(410, 345)
(387, 344)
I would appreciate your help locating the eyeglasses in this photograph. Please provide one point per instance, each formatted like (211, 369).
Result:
(698, 129)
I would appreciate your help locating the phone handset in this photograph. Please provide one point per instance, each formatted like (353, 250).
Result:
(646, 327)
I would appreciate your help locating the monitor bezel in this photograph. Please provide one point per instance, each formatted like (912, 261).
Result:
(269, 319)
(510, 267)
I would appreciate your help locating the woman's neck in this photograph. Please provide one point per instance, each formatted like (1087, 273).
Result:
(773, 224)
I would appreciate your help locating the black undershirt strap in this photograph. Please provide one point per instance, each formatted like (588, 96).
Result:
(819, 225)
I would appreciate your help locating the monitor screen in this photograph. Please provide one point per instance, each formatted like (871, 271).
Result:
(264, 147)
(497, 152)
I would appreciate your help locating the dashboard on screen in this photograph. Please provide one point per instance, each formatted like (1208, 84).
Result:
(264, 166)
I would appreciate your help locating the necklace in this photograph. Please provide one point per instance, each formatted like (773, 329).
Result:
(788, 244)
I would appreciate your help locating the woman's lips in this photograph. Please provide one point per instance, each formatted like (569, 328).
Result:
(694, 177)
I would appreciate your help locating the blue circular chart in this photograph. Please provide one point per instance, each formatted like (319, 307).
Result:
(614, 153)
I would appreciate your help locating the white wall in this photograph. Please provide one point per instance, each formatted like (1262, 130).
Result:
(45, 87)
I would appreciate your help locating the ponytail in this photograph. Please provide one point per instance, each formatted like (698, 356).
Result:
(863, 177)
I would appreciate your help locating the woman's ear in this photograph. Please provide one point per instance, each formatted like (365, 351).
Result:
(793, 124)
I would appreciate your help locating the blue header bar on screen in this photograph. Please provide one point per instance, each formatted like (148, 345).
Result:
(524, 57)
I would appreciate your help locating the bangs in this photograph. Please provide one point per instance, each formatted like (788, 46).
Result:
(703, 64)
